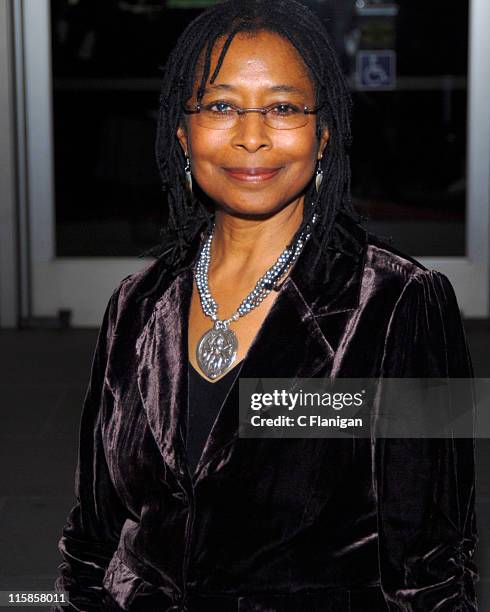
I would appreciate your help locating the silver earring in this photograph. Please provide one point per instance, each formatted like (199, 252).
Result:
(188, 174)
(319, 175)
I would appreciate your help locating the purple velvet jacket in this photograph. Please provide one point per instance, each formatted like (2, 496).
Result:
(273, 525)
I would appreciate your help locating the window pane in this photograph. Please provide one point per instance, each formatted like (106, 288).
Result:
(406, 62)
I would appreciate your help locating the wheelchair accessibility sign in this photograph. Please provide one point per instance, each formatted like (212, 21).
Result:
(376, 70)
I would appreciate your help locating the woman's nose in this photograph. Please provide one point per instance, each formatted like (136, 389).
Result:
(251, 132)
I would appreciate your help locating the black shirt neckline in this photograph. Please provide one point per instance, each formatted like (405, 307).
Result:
(195, 372)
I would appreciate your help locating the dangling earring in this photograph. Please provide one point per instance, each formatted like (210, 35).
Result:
(188, 174)
(319, 175)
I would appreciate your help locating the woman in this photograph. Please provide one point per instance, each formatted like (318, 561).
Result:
(174, 510)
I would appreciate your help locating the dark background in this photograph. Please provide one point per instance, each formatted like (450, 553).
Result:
(409, 151)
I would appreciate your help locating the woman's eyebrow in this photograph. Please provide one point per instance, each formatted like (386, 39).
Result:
(274, 88)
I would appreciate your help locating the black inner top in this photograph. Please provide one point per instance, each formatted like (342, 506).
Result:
(205, 399)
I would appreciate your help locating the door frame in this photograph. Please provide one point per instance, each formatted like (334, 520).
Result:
(9, 289)
(83, 285)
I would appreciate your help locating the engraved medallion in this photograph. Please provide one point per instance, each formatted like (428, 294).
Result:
(216, 351)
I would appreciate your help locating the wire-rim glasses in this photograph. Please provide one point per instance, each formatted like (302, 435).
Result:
(221, 115)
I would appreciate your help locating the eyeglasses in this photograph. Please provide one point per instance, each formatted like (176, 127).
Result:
(224, 116)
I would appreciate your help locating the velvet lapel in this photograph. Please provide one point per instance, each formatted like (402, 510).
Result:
(289, 344)
(162, 358)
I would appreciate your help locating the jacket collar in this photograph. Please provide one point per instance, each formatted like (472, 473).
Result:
(289, 344)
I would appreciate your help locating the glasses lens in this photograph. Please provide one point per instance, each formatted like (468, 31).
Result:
(222, 116)
(217, 116)
(286, 117)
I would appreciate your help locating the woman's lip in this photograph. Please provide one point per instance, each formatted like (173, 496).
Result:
(252, 175)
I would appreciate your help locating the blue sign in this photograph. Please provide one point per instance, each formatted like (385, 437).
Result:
(376, 69)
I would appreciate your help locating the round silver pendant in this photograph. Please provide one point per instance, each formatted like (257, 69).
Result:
(216, 351)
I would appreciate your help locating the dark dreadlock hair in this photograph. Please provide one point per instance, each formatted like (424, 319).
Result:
(189, 214)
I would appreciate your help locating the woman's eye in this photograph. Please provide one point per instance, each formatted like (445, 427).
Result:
(221, 108)
(285, 109)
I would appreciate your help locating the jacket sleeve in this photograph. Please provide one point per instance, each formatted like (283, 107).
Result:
(91, 533)
(425, 486)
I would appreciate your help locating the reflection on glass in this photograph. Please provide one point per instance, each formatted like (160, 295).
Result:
(406, 62)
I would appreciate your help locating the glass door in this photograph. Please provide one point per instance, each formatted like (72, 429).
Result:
(420, 157)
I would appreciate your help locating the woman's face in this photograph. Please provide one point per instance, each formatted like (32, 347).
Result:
(258, 70)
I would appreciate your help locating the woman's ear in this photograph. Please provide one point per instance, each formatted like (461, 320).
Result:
(325, 135)
(182, 137)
